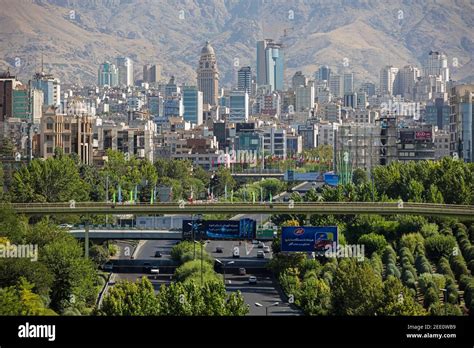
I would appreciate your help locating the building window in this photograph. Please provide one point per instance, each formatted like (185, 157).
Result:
(49, 138)
(66, 126)
(49, 124)
(66, 150)
(49, 149)
(67, 138)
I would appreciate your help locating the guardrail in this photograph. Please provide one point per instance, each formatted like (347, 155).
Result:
(336, 208)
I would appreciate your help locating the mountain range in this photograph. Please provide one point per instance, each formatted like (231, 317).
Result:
(360, 36)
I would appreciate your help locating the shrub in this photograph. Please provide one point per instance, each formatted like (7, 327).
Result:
(373, 242)
(439, 246)
(377, 264)
(458, 265)
(422, 264)
(392, 269)
(429, 230)
(406, 253)
(439, 309)
(411, 241)
(424, 281)
(444, 268)
(452, 291)
(431, 297)
(389, 255)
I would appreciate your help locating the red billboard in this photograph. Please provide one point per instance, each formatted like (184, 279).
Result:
(423, 135)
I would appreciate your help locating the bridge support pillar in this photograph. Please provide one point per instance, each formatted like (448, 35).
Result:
(86, 240)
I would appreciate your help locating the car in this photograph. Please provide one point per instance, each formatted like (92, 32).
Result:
(266, 249)
(66, 226)
(260, 254)
(252, 280)
(147, 267)
(242, 271)
(158, 253)
(219, 249)
(108, 266)
(261, 245)
(255, 241)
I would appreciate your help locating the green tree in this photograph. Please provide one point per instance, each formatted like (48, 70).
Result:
(439, 246)
(314, 297)
(131, 299)
(73, 275)
(21, 300)
(373, 242)
(52, 180)
(397, 300)
(356, 289)
(359, 176)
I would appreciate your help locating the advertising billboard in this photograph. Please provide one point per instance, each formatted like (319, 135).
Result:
(307, 238)
(423, 135)
(219, 229)
(331, 179)
(291, 175)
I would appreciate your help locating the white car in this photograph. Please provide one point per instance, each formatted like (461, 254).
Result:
(66, 226)
(266, 249)
(252, 280)
(260, 254)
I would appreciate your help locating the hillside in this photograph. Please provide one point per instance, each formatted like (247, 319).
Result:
(367, 34)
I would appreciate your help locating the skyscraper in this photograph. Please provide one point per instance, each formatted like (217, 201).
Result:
(408, 76)
(388, 80)
(336, 85)
(462, 121)
(151, 73)
(436, 64)
(108, 75)
(125, 71)
(270, 64)
(208, 75)
(348, 83)
(299, 80)
(323, 73)
(192, 103)
(239, 106)
(50, 86)
(244, 79)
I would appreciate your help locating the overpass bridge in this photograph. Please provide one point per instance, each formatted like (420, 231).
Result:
(321, 208)
(128, 234)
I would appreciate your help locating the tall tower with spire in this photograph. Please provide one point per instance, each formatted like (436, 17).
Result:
(208, 75)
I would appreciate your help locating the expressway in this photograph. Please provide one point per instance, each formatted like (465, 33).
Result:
(322, 208)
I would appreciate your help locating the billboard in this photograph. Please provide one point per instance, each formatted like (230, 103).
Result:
(291, 175)
(307, 238)
(219, 229)
(423, 135)
(264, 234)
(331, 179)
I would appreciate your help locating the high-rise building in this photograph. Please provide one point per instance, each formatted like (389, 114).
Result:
(304, 97)
(239, 106)
(125, 71)
(7, 84)
(437, 113)
(208, 75)
(108, 75)
(72, 133)
(336, 85)
(244, 79)
(192, 104)
(270, 64)
(21, 103)
(323, 73)
(408, 76)
(368, 88)
(388, 80)
(151, 73)
(299, 80)
(50, 86)
(436, 64)
(461, 121)
(348, 83)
